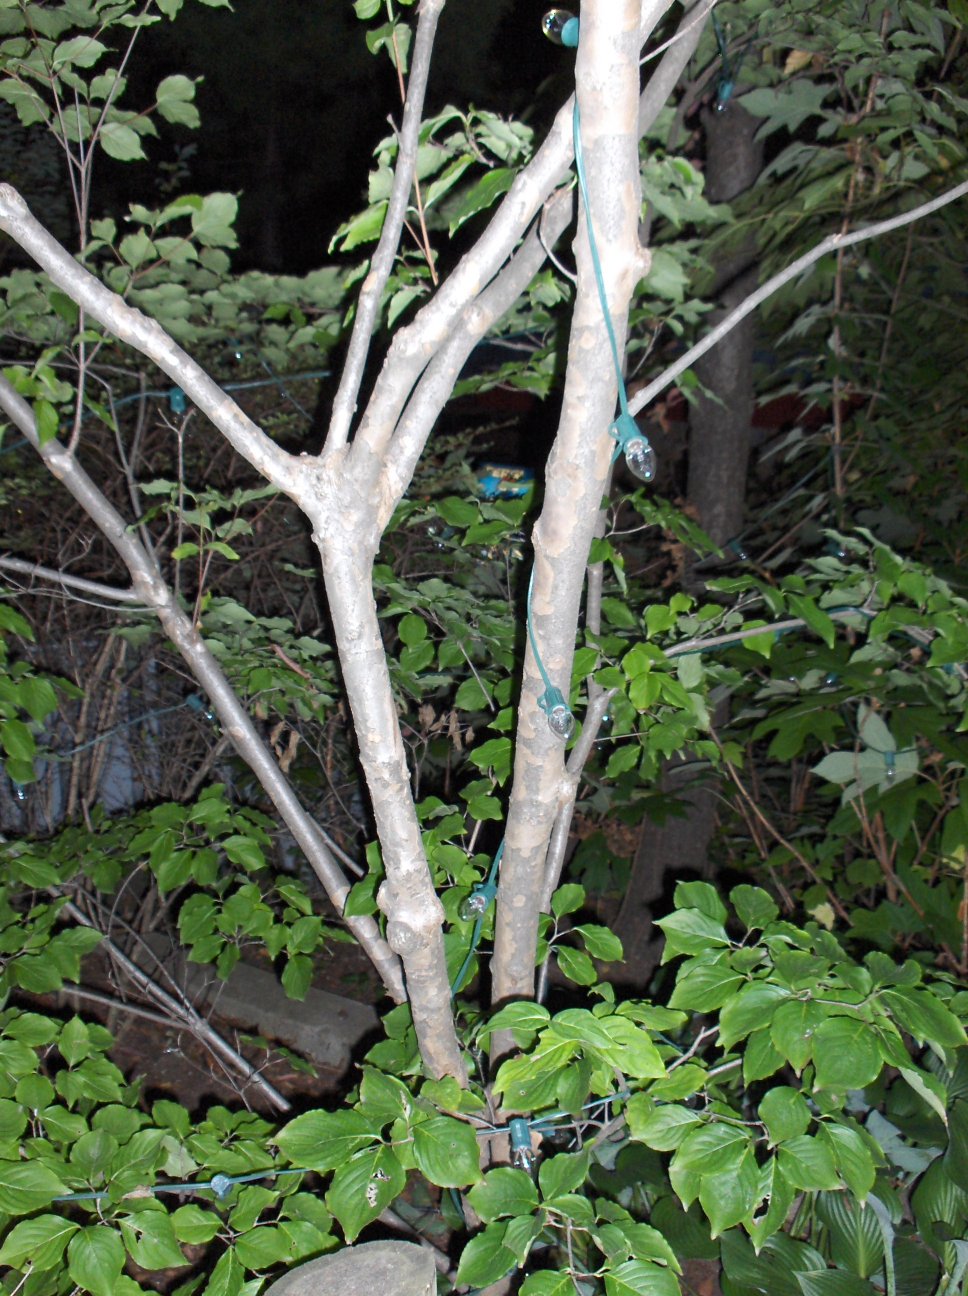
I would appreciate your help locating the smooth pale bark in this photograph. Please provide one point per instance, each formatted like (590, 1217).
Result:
(607, 79)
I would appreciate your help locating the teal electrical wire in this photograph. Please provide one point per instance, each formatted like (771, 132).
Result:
(631, 441)
(487, 891)
(552, 700)
(219, 1184)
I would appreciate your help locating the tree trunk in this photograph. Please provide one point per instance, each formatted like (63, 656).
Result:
(719, 424)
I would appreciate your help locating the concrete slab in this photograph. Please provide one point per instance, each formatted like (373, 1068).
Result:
(324, 1028)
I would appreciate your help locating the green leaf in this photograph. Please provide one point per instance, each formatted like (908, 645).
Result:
(484, 193)
(600, 942)
(563, 1173)
(228, 1275)
(194, 1225)
(690, 931)
(322, 1140)
(175, 97)
(27, 1186)
(701, 896)
(95, 1258)
(852, 1157)
(576, 965)
(18, 741)
(297, 976)
(120, 142)
(751, 1010)
(845, 1054)
(923, 1015)
(793, 1030)
(485, 1259)
(729, 1196)
(640, 1278)
(807, 1163)
(504, 1192)
(818, 620)
(785, 1114)
(364, 1187)
(548, 1282)
(212, 224)
(41, 1241)
(567, 899)
(704, 987)
(447, 1152)
(150, 1240)
(754, 906)
(412, 630)
(661, 1127)
(524, 1016)
(82, 51)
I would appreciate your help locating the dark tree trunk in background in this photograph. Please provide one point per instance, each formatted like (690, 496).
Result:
(719, 429)
(719, 443)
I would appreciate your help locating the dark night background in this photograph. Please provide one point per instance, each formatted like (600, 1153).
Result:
(292, 104)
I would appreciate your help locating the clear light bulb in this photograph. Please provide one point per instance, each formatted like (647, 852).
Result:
(474, 905)
(640, 458)
(561, 26)
(560, 721)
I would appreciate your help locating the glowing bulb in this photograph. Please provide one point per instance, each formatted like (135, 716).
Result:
(560, 721)
(561, 27)
(474, 905)
(177, 401)
(20, 792)
(640, 458)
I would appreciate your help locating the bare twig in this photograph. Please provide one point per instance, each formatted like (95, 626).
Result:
(187, 1016)
(833, 243)
(368, 306)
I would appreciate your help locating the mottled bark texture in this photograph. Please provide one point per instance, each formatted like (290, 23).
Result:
(607, 77)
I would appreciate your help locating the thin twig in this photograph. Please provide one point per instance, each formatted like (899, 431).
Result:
(191, 1020)
(833, 243)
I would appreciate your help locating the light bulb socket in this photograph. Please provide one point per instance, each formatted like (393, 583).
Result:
(522, 1153)
(561, 722)
(562, 27)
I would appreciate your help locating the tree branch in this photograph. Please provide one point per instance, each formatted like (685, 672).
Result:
(155, 593)
(71, 582)
(439, 377)
(183, 1013)
(832, 243)
(608, 95)
(371, 295)
(147, 336)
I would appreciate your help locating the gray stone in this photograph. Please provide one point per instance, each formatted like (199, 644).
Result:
(371, 1269)
(323, 1027)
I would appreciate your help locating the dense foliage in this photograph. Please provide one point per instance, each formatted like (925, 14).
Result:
(788, 1096)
